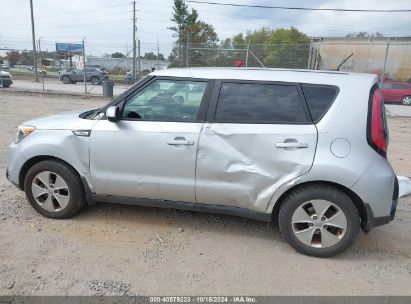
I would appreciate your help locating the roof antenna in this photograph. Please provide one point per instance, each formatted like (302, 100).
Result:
(338, 68)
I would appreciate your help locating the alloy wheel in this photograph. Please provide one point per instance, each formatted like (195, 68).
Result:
(319, 223)
(50, 191)
(406, 100)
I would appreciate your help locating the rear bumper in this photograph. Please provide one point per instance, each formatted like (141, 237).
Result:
(373, 221)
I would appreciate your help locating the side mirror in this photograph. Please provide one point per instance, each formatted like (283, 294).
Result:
(113, 114)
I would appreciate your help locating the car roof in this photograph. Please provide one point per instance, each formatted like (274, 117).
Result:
(268, 74)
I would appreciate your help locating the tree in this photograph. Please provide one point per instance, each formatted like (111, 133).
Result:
(188, 26)
(364, 34)
(27, 57)
(182, 18)
(150, 56)
(117, 55)
(13, 57)
(289, 48)
(279, 47)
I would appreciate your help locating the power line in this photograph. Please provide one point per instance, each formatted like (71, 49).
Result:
(303, 8)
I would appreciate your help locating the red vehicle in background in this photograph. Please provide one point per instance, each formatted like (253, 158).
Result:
(398, 92)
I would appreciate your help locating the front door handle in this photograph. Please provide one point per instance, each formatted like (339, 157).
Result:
(180, 142)
(291, 145)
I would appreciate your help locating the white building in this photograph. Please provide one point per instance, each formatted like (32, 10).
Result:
(126, 63)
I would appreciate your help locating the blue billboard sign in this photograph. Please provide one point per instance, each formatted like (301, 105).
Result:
(69, 48)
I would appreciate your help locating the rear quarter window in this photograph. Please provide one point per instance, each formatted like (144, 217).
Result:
(319, 99)
(259, 103)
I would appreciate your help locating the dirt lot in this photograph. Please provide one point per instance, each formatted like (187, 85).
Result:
(115, 250)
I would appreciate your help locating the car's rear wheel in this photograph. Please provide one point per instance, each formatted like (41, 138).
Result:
(95, 80)
(66, 80)
(319, 220)
(54, 189)
(406, 100)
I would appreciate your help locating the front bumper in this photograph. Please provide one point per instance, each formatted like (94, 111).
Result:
(15, 162)
(371, 221)
(10, 180)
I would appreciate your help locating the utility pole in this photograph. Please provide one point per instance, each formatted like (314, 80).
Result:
(134, 40)
(33, 37)
(248, 52)
(385, 61)
(158, 55)
(41, 63)
(84, 67)
(139, 63)
(188, 50)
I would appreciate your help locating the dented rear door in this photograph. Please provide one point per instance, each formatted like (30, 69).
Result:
(243, 157)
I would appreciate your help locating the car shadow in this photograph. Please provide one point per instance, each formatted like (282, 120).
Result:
(173, 218)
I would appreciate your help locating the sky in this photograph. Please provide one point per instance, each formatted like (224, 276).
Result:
(107, 25)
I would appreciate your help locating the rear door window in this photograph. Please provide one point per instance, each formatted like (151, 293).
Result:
(319, 99)
(259, 103)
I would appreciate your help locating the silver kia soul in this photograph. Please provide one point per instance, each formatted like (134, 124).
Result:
(306, 149)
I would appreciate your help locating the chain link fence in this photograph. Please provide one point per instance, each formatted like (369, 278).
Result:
(390, 59)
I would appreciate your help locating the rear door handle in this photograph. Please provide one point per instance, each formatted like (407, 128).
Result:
(291, 145)
(180, 142)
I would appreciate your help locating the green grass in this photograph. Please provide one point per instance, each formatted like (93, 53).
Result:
(116, 77)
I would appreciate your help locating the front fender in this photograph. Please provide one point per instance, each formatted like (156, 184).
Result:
(61, 144)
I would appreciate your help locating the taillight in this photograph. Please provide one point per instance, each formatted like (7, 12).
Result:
(377, 124)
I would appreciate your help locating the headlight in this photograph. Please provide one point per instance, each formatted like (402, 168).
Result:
(23, 131)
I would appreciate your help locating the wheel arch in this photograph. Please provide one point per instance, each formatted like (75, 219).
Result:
(358, 202)
(36, 159)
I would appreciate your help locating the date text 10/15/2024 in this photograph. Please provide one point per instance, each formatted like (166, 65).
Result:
(203, 299)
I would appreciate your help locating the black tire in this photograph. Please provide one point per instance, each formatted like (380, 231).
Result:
(6, 85)
(318, 192)
(95, 80)
(66, 80)
(77, 196)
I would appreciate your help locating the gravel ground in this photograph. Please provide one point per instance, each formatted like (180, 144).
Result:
(128, 250)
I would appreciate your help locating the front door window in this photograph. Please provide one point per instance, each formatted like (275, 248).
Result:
(167, 100)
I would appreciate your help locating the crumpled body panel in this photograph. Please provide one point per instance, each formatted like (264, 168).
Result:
(239, 165)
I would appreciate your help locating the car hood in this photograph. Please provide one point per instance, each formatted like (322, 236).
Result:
(4, 73)
(62, 121)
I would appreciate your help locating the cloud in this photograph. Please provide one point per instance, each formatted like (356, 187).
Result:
(108, 26)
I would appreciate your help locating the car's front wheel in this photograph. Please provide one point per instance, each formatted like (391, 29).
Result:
(406, 100)
(319, 220)
(95, 80)
(54, 189)
(66, 80)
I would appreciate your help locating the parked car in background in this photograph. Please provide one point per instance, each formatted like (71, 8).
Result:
(128, 76)
(39, 70)
(5, 66)
(93, 75)
(398, 92)
(6, 79)
(304, 148)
